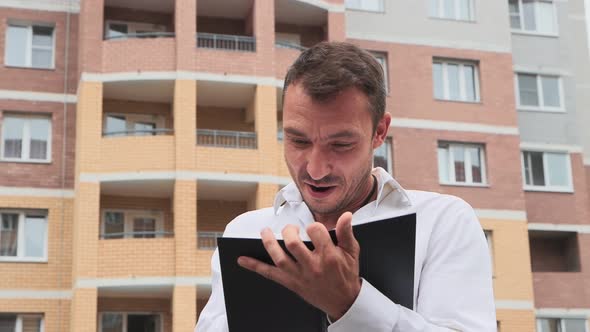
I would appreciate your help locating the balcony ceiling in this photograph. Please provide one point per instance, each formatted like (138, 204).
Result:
(225, 190)
(238, 9)
(144, 292)
(227, 95)
(148, 91)
(142, 188)
(299, 13)
(149, 5)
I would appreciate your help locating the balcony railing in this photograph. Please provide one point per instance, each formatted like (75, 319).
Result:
(227, 139)
(208, 240)
(140, 35)
(288, 44)
(143, 132)
(136, 235)
(226, 42)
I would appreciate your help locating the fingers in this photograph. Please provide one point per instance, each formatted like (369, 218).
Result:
(276, 253)
(268, 271)
(319, 237)
(294, 244)
(345, 236)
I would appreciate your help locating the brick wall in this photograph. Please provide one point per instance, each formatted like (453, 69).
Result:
(223, 119)
(214, 215)
(56, 313)
(221, 25)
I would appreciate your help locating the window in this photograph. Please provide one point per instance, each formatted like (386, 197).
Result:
(21, 323)
(117, 30)
(23, 236)
(490, 241)
(539, 92)
(26, 138)
(382, 59)
(118, 224)
(554, 251)
(537, 16)
(457, 81)
(452, 9)
(132, 125)
(547, 171)
(462, 164)
(130, 322)
(29, 46)
(368, 5)
(561, 325)
(382, 156)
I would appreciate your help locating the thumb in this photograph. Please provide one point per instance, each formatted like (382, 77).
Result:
(345, 236)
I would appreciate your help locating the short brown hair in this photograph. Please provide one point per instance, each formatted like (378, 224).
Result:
(328, 68)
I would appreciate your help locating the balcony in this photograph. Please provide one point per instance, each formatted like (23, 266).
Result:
(147, 308)
(226, 139)
(226, 42)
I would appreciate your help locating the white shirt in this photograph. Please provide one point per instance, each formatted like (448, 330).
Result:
(452, 277)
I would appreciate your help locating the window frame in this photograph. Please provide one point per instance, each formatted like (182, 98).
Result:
(381, 57)
(29, 44)
(128, 215)
(540, 93)
(388, 143)
(26, 138)
(468, 174)
(131, 120)
(462, 84)
(535, 32)
(132, 28)
(125, 315)
(21, 242)
(456, 6)
(348, 6)
(18, 327)
(561, 322)
(546, 173)
(489, 234)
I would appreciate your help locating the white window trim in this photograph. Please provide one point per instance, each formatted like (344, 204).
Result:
(441, 8)
(19, 322)
(468, 175)
(462, 83)
(27, 139)
(540, 96)
(128, 215)
(561, 322)
(522, 31)
(125, 314)
(133, 27)
(29, 50)
(380, 10)
(20, 247)
(547, 188)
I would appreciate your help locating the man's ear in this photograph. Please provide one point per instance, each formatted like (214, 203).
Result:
(381, 130)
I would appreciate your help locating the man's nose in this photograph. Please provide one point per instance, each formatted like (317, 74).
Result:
(318, 165)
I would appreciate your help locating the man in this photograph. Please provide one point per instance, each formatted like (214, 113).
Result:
(333, 118)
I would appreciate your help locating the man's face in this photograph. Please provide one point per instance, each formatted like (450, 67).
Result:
(329, 148)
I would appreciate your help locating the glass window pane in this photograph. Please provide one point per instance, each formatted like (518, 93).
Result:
(144, 128)
(514, 9)
(538, 168)
(453, 81)
(116, 126)
(575, 325)
(437, 77)
(529, 15)
(527, 87)
(476, 165)
(31, 323)
(16, 46)
(117, 30)
(434, 5)
(551, 95)
(8, 234)
(42, 58)
(458, 153)
(443, 164)
(380, 156)
(549, 325)
(527, 168)
(12, 129)
(112, 322)
(143, 323)
(469, 73)
(558, 172)
(372, 5)
(7, 323)
(35, 235)
(43, 36)
(144, 227)
(114, 225)
(39, 138)
(448, 8)
(465, 9)
(545, 18)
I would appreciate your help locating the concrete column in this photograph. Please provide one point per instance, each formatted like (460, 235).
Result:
(185, 27)
(84, 317)
(184, 308)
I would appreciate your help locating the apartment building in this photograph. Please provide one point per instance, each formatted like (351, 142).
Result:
(133, 131)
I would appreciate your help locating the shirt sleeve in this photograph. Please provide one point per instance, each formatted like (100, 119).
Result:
(454, 292)
(213, 317)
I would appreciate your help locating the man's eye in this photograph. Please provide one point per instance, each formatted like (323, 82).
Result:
(300, 141)
(342, 145)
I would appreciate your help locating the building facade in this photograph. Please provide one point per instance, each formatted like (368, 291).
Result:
(134, 131)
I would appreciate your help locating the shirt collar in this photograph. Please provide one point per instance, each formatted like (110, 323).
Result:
(386, 184)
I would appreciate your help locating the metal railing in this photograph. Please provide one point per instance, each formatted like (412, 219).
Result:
(141, 35)
(288, 44)
(227, 139)
(143, 132)
(131, 235)
(226, 42)
(208, 240)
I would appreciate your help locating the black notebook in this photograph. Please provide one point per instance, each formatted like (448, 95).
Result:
(254, 303)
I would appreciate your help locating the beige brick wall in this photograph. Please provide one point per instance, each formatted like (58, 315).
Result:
(516, 320)
(214, 215)
(56, 313)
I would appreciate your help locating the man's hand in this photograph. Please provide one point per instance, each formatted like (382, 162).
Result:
(326, 277)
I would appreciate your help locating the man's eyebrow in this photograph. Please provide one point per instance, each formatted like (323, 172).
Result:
(344, 134)
(293, 131)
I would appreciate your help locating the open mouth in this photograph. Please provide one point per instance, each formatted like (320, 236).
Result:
(319, 189)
